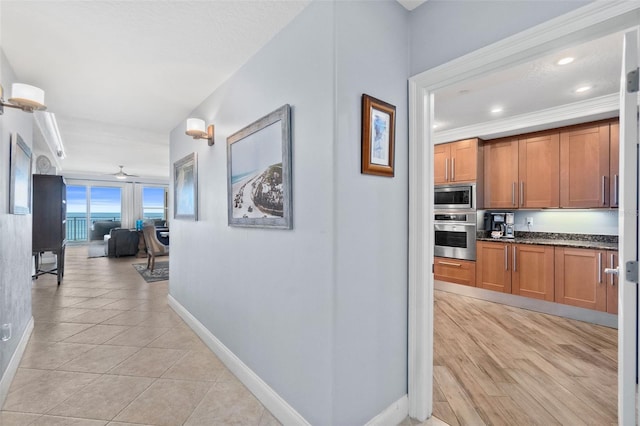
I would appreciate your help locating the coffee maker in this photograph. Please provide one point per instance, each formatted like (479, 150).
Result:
(502, 222)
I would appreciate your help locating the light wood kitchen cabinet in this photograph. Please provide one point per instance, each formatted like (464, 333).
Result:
(584, 166)
(522, 269)
(614, 164)
(456, 161)
(539, 170)
(522, 172)
(612, 283)
(455, 271)
(493, 266)
(533, 271)
(501, 189)
(580, 279)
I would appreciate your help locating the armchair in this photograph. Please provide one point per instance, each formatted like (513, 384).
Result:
(154, 246)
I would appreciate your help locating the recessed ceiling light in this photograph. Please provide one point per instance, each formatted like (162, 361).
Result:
(565, 61)
(496, 110)
(583, 89)
(435, 126)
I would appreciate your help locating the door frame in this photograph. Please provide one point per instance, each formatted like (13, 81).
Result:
(591, 21)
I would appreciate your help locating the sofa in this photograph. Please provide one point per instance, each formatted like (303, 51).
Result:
(100, 228)
(122, 242)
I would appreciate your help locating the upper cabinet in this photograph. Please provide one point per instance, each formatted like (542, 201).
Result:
(572, 167)
(522, 172)
(614, 164)
(539, 170)
(501, 174)
(584, 166)
(456, 162)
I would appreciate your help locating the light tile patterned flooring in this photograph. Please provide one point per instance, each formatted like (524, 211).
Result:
(108, 350)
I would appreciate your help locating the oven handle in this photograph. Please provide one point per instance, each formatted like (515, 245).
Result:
(440, 225)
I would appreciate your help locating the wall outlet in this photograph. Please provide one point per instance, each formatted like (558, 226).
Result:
(529, 221)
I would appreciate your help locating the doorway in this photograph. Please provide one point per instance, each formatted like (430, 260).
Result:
(589, 22)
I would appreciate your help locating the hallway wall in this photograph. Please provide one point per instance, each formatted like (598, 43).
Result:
(268, 294)
(307, 309)
(15, 232)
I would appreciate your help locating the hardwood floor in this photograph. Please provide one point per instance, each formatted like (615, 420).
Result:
(499, 365)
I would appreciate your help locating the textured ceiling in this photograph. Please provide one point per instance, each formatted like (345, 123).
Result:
(119, 75)
(533, 86)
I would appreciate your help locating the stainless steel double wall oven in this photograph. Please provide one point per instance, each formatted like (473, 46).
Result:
(455, 221)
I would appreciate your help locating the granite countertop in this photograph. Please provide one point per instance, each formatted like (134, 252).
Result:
(601, 242)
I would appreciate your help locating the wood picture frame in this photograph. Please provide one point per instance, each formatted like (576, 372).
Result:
(20, 180)
(259, 184)
(378, 137)
(185, 187)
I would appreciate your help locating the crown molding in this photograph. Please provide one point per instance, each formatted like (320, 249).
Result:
(565, 115)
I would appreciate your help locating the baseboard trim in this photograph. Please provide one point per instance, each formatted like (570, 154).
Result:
(12, 368)
(393, 414)
(280, 409)
(542, 306)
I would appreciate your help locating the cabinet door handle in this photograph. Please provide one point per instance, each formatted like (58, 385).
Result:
(521, 193)
(513, 194)
(506, 254)
(453, 169)
(446, 169)
(615, 190)
(599, 268)
(457, 265)
(515, 268)
(604, 183)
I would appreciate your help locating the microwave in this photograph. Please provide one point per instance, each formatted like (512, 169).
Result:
(455, 197)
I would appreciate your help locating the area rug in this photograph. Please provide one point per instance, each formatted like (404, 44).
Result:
(96, 249)
(160, 272)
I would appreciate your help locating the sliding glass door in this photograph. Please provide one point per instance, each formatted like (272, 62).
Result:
(92, 211)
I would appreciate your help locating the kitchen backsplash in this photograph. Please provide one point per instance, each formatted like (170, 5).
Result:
(602, 222)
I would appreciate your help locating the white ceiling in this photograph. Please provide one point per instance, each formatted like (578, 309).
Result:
(533, 86)
(119, 75)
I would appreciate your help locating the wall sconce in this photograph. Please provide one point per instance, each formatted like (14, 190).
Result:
(23, 96)
(196, 129)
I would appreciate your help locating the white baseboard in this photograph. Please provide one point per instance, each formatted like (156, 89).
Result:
(12, 368)
(280, 409)
(393, 414)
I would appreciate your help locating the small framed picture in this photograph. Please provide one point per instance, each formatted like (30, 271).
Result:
(378, 136)
(20, 187)
(185, 187)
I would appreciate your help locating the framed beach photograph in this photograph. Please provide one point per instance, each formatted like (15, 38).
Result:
(378, 136)
(259, 172)
(185, 187)
(20, 181)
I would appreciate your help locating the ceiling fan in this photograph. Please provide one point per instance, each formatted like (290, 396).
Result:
(122, 175)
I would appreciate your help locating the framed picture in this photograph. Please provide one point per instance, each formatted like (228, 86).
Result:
(185, 187)
(259, 172)
(20, 186)
(378, 136)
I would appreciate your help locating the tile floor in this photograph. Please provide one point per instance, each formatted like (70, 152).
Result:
(106, 349)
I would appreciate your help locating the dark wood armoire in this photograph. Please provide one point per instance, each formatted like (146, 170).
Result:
(49, 221)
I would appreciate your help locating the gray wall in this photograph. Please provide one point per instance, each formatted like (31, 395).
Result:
(15, 231)
(442, 30)
(371, 238)
(268, 294)
(318, 312)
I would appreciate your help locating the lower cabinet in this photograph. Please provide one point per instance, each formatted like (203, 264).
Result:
(455, 271)
(581, 280)
(572, 276)
(493, 266)
(522, 269)
(533, 271)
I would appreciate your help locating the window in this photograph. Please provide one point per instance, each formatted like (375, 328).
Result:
(76, 213)
(153, 203)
